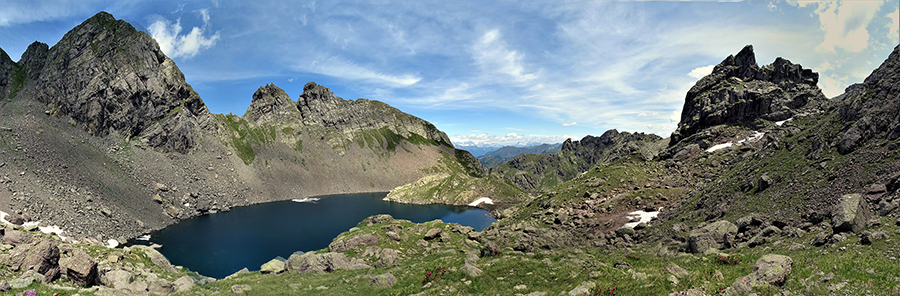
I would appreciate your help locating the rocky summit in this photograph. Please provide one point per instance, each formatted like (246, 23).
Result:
(766, 187)
(739, 91)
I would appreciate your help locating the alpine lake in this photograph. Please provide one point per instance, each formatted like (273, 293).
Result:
(220, 244)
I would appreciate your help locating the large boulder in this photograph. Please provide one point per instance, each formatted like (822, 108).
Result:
(386, 280)
(343, 245)
(80, 268)
(273, 266)
(770, 270)
(16, 238)
(43, 258)
(319, 263)
(156, 257)
(717, 235)
(387, 257)
(850, 213)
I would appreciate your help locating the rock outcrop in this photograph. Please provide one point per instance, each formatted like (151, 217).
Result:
(872, 108)
(717, 235)
(531, 171)
(6, 71)
(320, 107)
(271, 104)
(110, 78)
(739, 91)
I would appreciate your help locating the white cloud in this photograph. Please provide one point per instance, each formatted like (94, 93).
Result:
(844, 23)
(340, 67)
(511, 139)
(893, 26)
(173, 44)
(700, 72)
(570, 124)
(491, 53)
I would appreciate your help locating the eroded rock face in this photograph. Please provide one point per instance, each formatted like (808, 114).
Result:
(6, 70)
(738, 90)
(872, 108)
(271, 104)
(80, 268)
(320, 107)
(111, 78)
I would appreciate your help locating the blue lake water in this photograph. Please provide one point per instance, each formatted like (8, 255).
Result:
(219, 244)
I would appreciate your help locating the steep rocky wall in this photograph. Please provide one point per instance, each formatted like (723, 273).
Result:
(110, 78)
(739, 91)
(872, 108)
(6, 70)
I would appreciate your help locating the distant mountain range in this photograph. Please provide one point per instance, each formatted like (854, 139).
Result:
(479, 150)
(505, 154)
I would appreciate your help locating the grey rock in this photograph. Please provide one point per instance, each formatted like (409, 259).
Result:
(712, 236)
(240, 289)
(238, 273)
(386, 280)
(343, 245)
(582, 288)
(850, 214)
(145, 95)
(273, 266)
(470, 270)
(738, 90)
(677, 271)
(433, 233)
(387, 257)
(16, 238)
(80, 268)
(377, 219)
(4, 286)
(271, 104)
(870, 110)
(771, 269)
(319, 263)
(393, 235)
(184, 283)
(156, 257)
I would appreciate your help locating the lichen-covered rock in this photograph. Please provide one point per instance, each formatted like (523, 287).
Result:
(433, 233)
(273, 266)
(184, 283)
(156, 257)
(850, 213)
(319, 263)
(712, 236)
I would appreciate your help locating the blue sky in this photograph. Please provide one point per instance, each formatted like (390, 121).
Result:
(486, 71)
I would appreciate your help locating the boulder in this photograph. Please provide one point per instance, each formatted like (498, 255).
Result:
(713, 236)
(273, 266)
(433, 233)
(237, 273)
(470, 269)
(80, 268)
(42, 258)
(343, 245)
(319, 263)
(118, 279)
(4, 286)
(156, 257)
(386, 280)
(582, 288)
(240, 289)
(771, 269)
(388, 257)
(16, 238)
(850, 213)
(156, 285)
(393, 235)
(184, 283)
(376, 219)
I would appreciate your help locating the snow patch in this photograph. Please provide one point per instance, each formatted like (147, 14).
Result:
(719, 146)
(481, 200)
(779, 123)
(306, 199)
(55, 230)
(756, 136)
(644, 217)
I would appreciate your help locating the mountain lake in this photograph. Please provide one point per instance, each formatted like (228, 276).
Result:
(220, 244)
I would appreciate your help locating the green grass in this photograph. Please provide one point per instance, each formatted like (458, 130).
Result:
(18, 80)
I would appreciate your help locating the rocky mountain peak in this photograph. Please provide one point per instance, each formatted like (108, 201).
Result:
(739, 91)
(110, 78)
(6, 70)
(870, 109)
(271, 103)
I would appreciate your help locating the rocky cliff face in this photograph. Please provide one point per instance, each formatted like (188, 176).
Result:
(541, 171)
(271, 104)
(6, 70)
(320, 107)
(739, 91)
(110, 78)
(872, 109)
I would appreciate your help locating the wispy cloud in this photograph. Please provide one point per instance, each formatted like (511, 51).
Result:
(24, 12)
(175, 45)
(493, 55)
(570, 124)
